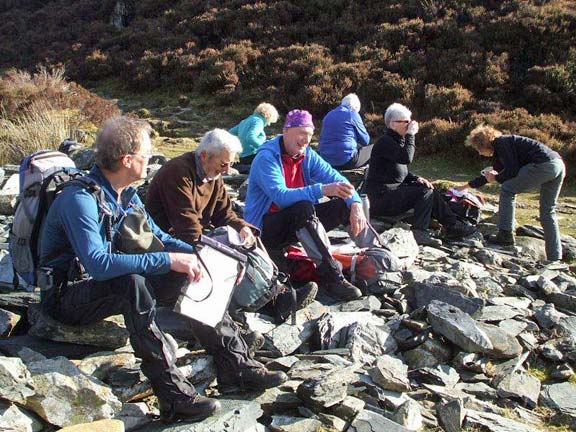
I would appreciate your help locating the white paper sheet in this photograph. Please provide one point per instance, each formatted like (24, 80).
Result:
(207, 300)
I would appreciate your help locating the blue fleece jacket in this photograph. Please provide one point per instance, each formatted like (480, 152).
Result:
(250, 132)
(75, 224)
(267, 185)
(342, 133)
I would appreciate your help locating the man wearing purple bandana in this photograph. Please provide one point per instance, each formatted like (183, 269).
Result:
(287, 179)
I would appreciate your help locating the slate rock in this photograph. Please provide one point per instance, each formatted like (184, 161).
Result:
(275, 400)
(287, 338)
(14, 380)
(547, 316)
(366, 303)
(65, 396)
(370, 421)
(457, 327)
(532, 247)
(109, 333)
(348, 408)
(391, 374)
(504, 345)
(234, 416)
(15, 419)
(429, 354)
(135, 415)
(560, 397)
(422, 294)
(512, 326)
(14, 344)
(495, 423)
(333, 327)
(327, 389)
(8, 321)
(562, 372)
(451, 415)
(409, 415)
(520, 386)
(565, 300)
(367, 342)
(402, 243)
(439, 375)
(498, 313)
(479, 389)
(486, 256)
(100, 364)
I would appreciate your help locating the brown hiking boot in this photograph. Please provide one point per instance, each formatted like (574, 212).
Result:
(192, 409)
(502, 237)
(255, 378)
(342, 289)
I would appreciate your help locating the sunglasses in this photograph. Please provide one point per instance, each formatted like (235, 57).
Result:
(402, 121)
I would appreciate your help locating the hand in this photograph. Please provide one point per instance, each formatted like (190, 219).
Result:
(412, 128)
(342, 190)
(186, 263)
(461, 187)
(358, 222)
(425, 182)
(491, 176)
(247, 237)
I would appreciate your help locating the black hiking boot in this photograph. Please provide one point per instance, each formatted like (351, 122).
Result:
(255, 378)
(193, 409)
(459, 230)
(424, 238)
(292, 299)
(503, 238)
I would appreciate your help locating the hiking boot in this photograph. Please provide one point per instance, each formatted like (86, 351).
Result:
(292, 300)
(459, 230)
(193, 409)
(256, 378)
(423, 238)
(502, 237)
(342, 289)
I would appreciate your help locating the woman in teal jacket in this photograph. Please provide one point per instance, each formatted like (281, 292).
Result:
(250, 131)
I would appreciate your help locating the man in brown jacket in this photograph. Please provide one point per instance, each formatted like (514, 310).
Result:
(187, 196)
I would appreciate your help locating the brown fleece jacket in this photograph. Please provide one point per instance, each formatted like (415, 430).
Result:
(182, 205)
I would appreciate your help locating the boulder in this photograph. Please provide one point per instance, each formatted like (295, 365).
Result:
(391, 374)
(457, 327)
(369, 421)
(109, 333)
(13, 418)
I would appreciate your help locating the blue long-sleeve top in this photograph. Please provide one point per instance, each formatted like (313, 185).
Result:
(342, 133)
(512, 152)
(266, 184)
(75, 225)
(250, 132)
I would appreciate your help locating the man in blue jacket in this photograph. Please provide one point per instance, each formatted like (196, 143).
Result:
(82, 230)
(286, 182)
(344, 139)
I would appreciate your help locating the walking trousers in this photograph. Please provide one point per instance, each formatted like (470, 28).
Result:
(135, 297)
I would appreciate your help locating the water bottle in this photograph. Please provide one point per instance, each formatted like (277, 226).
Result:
(365, 206)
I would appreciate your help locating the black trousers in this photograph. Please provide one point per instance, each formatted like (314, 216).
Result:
(361, 158)
(427, 204)
(135, 297)
(279, 228)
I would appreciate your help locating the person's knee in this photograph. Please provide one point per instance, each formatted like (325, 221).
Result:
(139, 295)
(302, 212)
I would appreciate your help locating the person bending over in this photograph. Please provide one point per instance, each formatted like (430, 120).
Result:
(520, 164)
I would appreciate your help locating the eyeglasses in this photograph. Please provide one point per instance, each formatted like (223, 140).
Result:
(142, 155)
(402, 121)
(226, 164)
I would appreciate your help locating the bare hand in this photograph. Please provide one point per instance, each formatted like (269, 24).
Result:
(412, 128)
(461, 187)
(358, 222)
(342, 190)
(247, 237)
(186, 263)
(425, 182)
(491, 176)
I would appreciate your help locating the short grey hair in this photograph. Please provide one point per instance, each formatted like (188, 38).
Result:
(119, 137)
(351, 101)
(217, 140)
(396, 111)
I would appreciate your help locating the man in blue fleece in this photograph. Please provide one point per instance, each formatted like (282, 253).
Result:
(286, 181)
(344, 139)
(81, 229)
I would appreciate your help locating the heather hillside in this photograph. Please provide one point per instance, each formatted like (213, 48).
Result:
(511, 63)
